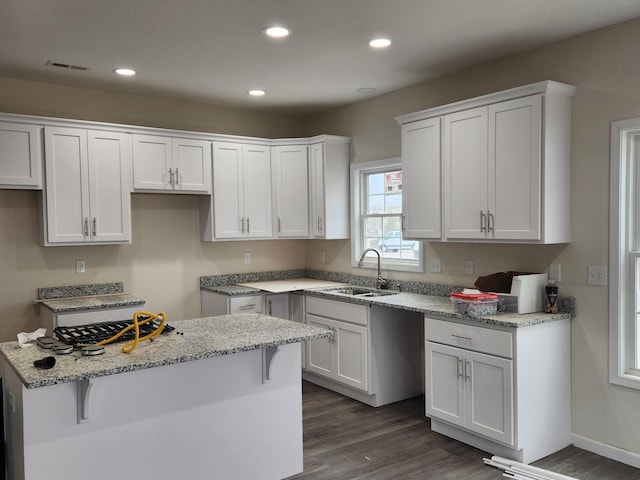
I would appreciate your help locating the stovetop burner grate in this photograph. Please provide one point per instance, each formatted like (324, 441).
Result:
(97, 332)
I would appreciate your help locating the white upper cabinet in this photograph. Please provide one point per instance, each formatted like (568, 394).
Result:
(505, 160)
(240, 206)
(329, 188)
(290, 170)
(87, 192)
(421, 172)
(168, 164)
(20, 156)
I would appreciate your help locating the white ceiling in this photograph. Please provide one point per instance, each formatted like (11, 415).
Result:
(214, 50)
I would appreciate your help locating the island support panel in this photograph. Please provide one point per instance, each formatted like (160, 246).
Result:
(204, 419)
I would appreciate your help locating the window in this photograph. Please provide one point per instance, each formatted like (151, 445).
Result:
(376, 194)
(624, 283)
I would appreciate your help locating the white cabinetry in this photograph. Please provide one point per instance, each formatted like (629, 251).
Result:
(213, 304)
(374, 355)
(505, 167)
(168, 164)
(20, 156)
(240, 206)
(329, 188)
(278, 305)
(290, 167)
(421, 178)
(491, 387)
(87, 193)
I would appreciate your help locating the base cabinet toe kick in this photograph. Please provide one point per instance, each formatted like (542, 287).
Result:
(503, 390)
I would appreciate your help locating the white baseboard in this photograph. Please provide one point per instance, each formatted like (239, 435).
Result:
(608, 451)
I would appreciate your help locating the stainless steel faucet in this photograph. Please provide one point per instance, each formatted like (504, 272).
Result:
(380, 282)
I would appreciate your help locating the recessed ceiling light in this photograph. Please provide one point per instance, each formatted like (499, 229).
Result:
(257, 93)
(379, 42)
(127, 72)
(276, 32)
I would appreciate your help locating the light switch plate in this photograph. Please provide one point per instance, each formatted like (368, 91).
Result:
(434, 265)
(597, 275)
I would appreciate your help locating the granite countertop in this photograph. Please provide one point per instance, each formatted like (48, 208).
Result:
(192, 340)
(441, 306)
(92, 303)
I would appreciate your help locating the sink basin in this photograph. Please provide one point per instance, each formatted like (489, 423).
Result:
(358, 291)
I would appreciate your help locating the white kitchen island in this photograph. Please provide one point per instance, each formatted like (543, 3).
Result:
(220, 397)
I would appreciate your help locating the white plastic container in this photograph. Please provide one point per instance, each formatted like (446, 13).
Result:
(475, 304)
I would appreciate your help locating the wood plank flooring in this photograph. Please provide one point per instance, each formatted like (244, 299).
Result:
(347, 440)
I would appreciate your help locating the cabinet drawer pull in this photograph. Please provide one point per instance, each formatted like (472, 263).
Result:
(461, 337)
(248, 306)
(86, 227)
(459, 369)
(491, 222)
(483, 221)
(467, 370)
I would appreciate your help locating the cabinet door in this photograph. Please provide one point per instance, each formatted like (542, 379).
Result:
(228, 192)
(320, 352)
(257, 191)
(152, 159)
(109, 157)
(421, 179)
(67, 185)
(515, 168)
(444, 385)
(351, 367)
(465, 174)
(191, 165)
(489, 396)
(278, 305)
(317, 189)
(291, 190)
(20, 156)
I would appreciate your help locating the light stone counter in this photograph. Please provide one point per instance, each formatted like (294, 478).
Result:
(192, 340)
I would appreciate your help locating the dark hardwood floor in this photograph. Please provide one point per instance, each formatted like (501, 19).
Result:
(347, 440)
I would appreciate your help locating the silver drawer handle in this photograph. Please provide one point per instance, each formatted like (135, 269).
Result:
(247, 307)
(462, 337)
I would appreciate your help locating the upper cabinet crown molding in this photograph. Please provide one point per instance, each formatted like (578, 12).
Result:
(545, 87)
(494, 168)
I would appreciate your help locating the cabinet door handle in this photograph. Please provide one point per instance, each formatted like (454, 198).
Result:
(248, 225)
(171, 177)
(467, 370)
(483, 221)
(94, 227)
(460, 368)
(320, 224)
(177, 177)
(269, 305)
(85, 227)
(242, 224)
(249, 306)
(279, 229)
(491, 221)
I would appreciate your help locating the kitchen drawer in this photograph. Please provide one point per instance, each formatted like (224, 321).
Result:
(345, 311)
(85, 317)
(246, 304)
(469, 337)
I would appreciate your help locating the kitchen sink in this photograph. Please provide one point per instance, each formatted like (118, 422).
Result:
(358, 291)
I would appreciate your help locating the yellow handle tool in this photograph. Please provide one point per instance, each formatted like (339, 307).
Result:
(131, 345)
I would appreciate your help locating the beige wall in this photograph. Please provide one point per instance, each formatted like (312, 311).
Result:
(166, 258)
(601, 64)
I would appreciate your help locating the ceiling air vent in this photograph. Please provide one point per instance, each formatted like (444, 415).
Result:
(68, 66)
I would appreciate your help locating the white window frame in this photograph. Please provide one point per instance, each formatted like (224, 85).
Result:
(624, 253)
(357, 171)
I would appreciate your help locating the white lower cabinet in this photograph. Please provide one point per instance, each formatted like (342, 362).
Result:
(214, 304)
(278, 305)
(373, 356)
(503, 390)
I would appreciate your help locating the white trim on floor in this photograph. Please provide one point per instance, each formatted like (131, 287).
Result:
(608, 451)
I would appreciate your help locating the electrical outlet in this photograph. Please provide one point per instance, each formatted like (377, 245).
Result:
(80, 266)
(555, 272)
(247, 258)
(468, 266)
(597, 275)
(434, 265)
